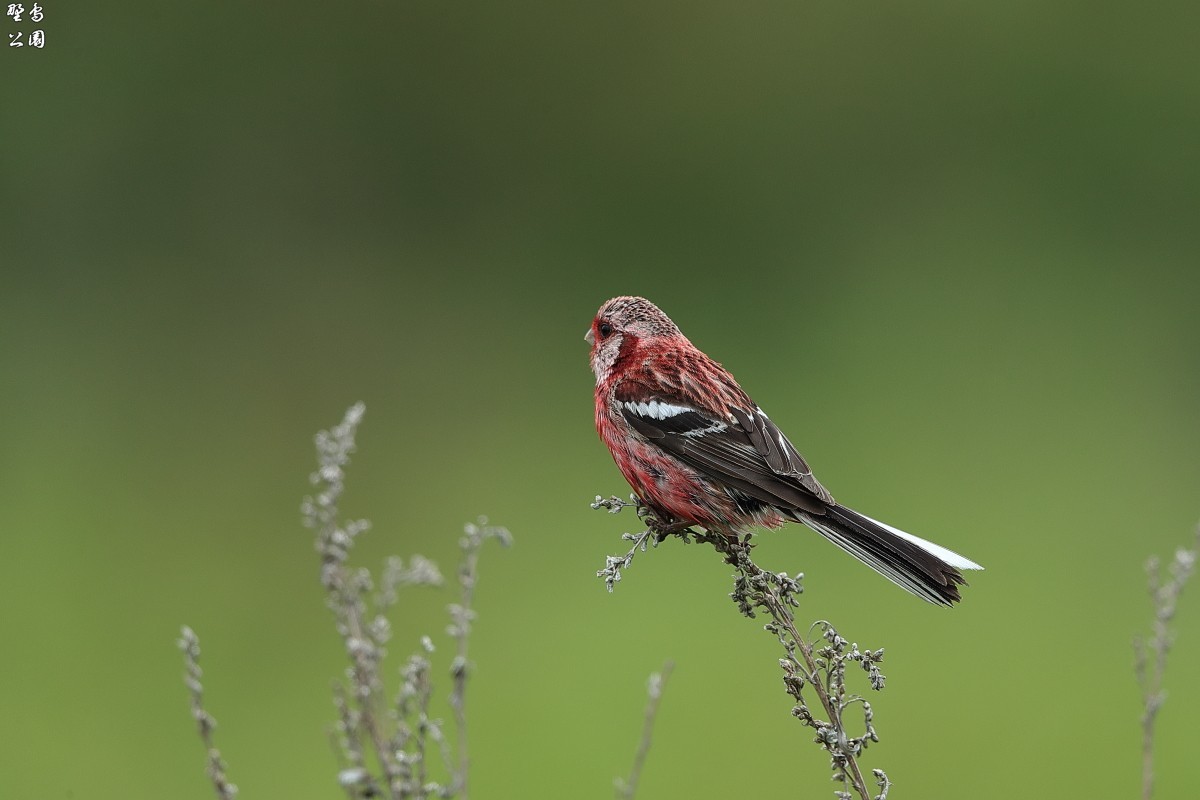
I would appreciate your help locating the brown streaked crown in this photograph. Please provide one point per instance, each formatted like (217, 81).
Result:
(638, 315)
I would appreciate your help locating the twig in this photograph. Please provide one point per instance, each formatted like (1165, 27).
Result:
(654, 688)
(1150, 658)
(345, 590)
(189, 645)
(395, 736)
(371, 735)
(461, 616)
(822, 668)
(881, 780)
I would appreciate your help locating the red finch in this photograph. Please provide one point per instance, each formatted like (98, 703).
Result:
(698, 451)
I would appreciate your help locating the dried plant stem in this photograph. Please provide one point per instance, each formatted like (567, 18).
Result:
(1150, 657)
(776, 594)
(367, 695)
(833, 710)
(462, 616)
(458, 701)
(816, 664)
(189, 645)
(365, 652)
(381, 746)
(345, 590)
(881, 780)
(627, 788)
(397, 734)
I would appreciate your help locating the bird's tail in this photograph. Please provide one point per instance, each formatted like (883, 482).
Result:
(928, 570)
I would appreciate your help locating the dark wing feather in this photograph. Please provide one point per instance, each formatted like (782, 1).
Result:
(777, 451)
(746, 452)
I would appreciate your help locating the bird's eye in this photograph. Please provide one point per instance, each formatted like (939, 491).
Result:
(605, 330)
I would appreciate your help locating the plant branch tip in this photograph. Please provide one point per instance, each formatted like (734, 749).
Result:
(813, 664)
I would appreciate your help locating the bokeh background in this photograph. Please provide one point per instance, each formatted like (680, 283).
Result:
(952, 248)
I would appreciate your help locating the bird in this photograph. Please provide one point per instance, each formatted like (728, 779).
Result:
(697, 451)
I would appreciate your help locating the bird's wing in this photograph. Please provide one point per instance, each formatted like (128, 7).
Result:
(745, 450)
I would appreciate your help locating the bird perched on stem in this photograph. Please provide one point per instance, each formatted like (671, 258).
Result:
(698, 451)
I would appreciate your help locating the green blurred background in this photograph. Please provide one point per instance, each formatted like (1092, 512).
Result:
(952, 248)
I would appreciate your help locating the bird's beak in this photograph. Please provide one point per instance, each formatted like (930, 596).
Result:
(590, 337)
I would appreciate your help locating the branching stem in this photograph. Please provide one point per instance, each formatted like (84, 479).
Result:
(822, 667)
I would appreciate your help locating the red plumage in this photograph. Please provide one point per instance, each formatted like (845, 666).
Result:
(698, 451)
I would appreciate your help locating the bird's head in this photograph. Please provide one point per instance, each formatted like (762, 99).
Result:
(619, 326)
